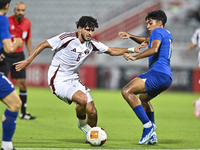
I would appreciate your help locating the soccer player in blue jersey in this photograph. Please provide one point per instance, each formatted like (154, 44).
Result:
(157, 79)
(8, 95)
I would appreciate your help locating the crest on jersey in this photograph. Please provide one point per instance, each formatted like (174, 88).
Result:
(87, 51)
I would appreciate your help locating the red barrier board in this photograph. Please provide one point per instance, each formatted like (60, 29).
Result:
(196, 80)
(88, 75)
(36, 75)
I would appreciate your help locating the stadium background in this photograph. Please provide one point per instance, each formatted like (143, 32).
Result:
(50, 17)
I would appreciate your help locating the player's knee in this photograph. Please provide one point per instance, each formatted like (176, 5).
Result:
(16, 106)
(83, 101)
(125, 92)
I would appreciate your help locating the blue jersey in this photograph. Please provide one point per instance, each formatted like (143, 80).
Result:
(161, 61)
(4, 30)
(6, 87)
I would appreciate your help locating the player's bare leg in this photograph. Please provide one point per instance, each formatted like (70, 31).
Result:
(129, 92)
(91, 114)
(81, 99)
(13, 103)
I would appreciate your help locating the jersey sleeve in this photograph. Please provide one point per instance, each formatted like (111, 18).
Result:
(156, 35)
(57, 41)
(99, 47)
(4, 27)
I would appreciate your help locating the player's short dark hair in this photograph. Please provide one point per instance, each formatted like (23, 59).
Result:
(158, 15)
(3, 3)
(85, 21)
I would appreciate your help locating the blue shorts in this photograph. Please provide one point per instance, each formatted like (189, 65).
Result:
(156, 82)
(6, 87)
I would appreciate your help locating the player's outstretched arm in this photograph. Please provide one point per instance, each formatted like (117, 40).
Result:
(152, 50)
(138, 39)
(22, 64)
(113, 51)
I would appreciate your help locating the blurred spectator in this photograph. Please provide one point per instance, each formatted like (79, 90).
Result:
(193, 16)
(197, 14)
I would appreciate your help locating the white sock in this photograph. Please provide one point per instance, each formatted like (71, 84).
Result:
(7, 145)
(198, 102)
(81, 122)
(154, 132)
(147, 125)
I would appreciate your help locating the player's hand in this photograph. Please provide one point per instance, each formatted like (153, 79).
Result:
(142, 45)
(128, 56)
(18, 41)
(21, 65)
(2, 57)
(123, 35)
(191, 46)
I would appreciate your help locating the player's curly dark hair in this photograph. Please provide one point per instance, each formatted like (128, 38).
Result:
(157, 15)
(3, 3)
(85, 21)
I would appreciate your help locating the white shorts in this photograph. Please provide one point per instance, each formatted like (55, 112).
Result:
(65, 89)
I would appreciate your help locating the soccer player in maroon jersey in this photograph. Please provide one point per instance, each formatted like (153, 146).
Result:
(195, 42)
(71, 50)
(19, 27)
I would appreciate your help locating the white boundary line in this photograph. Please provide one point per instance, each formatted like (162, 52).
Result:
(93, 149)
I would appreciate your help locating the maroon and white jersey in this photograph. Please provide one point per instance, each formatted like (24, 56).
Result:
(70, 54)
(195, 39)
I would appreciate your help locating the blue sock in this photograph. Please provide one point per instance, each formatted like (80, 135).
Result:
(141, 114)
(151, 116)
(9, 125)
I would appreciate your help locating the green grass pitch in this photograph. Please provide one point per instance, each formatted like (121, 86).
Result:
(56, 125)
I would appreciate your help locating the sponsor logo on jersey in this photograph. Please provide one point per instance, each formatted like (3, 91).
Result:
(74, 50)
